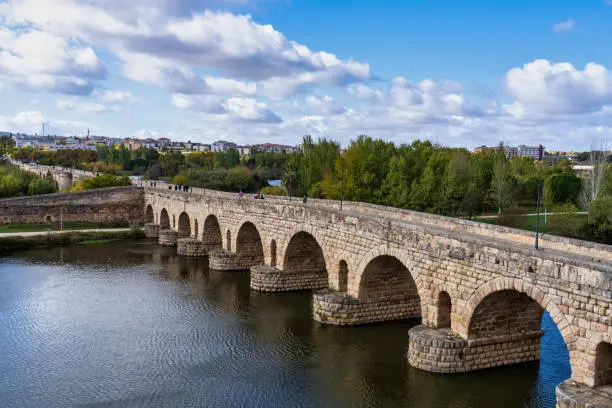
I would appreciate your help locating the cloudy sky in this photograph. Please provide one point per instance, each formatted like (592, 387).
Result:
(459, 73)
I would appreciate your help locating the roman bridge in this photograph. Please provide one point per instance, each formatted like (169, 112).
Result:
(64, 177)
(480, 290)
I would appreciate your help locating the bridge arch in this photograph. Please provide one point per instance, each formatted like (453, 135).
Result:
(516, 293)
(184, 225)
(309, 230)
(342, 276)
(303, 255)
(445, 306)
(164, 219)
(355, 280)
(211, 232)
(249, 243)
(386, 280)
(273, 253)
(603, 364)
(149, 217)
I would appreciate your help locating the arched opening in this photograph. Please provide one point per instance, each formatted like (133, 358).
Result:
(211, 235)
(249, 245)
(184, 227)
(444, 311)
(342, 276)
(386, 279)
(305, 256)
(149, 214)
(164, 219)
(516, 326)
(228, 240)
(603, 364)
(505, 312)
(273, 253)
(195, 229)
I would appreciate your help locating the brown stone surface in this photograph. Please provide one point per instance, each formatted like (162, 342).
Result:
(222, 260)
(191, 247)
(441, 351)
(118, 206)
(337, 308)
(266, 278)
(151, 230)
(571, 394)
(168, 237)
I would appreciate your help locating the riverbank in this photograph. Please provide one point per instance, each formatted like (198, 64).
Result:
(25, 240)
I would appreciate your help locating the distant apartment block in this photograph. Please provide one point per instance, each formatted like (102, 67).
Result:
(222, 146)
(535, 152)
(274, 148)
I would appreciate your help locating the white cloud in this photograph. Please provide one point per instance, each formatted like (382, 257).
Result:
(166, 52)
(564, 26)
(231, 110)
(323, 105)
(64, 104)
(31, 122)
(37, 60)
(541, 87)
(118, 96)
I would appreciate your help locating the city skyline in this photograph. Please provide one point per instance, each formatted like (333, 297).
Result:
(272, 71)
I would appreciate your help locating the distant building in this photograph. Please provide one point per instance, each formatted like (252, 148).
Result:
(535, 152)
(245, 150)
(274, 148)
(222, 146)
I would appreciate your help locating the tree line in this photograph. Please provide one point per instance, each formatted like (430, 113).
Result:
(426, 177)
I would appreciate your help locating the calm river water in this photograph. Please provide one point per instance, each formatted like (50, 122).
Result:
(134, 325)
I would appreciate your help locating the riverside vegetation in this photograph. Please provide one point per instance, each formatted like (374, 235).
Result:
(420, 176)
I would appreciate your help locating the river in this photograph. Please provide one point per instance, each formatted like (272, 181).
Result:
(131, 324)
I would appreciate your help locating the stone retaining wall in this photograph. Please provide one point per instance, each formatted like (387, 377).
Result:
(265, 278)
(168, 237)
(115, 206)
(339, 309)
(191, 247)
(439, 351)
(151, 230)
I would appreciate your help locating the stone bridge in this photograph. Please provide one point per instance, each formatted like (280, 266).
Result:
(64, 177)
(480, 290)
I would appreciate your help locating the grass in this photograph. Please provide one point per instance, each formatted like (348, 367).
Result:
(570, 223)
(68, 226)
(10, 244)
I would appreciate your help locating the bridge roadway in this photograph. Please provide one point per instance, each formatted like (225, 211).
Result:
(480, 290)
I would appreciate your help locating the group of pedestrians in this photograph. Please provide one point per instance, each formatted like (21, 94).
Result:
(180, 187)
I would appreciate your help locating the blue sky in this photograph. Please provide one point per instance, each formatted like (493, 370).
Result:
(461, 73)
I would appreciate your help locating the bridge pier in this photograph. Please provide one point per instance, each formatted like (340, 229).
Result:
(571, 394)
(442, 351)
(337, 308)
(168, 237)
(265, 278)
(223, 260)
(191, 247)
(151, 230)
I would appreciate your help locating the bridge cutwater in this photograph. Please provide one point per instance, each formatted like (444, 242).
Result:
(480, 290)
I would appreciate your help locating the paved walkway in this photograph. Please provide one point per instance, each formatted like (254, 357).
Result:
(38, 233)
